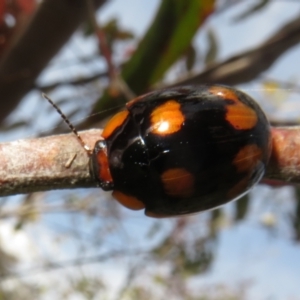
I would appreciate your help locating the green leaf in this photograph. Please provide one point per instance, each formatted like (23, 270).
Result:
(252, 10)
(167, 39)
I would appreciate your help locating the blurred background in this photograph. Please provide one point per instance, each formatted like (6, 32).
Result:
(93, 56)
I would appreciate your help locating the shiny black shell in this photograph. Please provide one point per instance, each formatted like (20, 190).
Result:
(216, 150)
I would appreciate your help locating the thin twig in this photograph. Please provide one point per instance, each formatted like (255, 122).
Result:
(73, 82)
(55, 265)
(114, 75)
(102, 42)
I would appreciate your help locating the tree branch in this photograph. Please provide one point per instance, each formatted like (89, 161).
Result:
(32, 51)
(285, 159)
(248, 65)
(74, 82)
(60, 162)
(55, 162)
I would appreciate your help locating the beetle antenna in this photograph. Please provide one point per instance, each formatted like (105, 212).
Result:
(71, 126)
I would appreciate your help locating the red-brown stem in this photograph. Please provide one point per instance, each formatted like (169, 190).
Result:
(106, 52)
(102, 42)
(115, 77)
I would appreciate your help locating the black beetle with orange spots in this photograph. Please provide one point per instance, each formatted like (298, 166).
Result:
(182, 150)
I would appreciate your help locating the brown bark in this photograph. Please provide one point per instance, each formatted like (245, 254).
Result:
(60, 162)
(55, 162)
(285, 159)
(50, 28)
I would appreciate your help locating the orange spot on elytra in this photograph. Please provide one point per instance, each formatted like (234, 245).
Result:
(178, 182)
(247, 158)
(238, 114)
(128, 201)
(104, 171)
(241, 116)
(224, 92)
(167, 118)
(116, 121)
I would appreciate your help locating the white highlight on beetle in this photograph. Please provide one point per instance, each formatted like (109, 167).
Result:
(163, 126)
